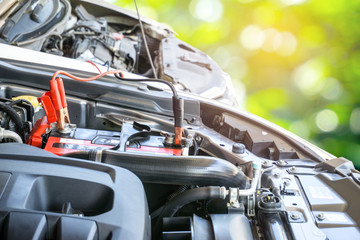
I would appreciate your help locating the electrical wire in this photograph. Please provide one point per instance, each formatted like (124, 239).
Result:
(119, 75)
(92, 63)
(81, 26)
(107, 65)
(86, 79)
(173, 89)
(145, 42)
(178, 106)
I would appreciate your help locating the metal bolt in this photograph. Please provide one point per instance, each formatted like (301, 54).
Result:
(266, 164)
(198, 138)
(320, 216)
(187, 142)
(286, 182)
(294, 216)
(293, 169)
(169, 140)
(281, 163)
(238, 148)
(195, 121)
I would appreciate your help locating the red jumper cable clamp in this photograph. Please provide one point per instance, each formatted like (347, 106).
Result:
(55, 104)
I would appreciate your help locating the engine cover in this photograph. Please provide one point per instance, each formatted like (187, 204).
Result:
(44, 196)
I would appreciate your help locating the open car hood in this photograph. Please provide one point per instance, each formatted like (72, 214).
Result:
(100, 159)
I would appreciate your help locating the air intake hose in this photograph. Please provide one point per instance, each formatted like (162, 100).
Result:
(178, 170)
(192, 195)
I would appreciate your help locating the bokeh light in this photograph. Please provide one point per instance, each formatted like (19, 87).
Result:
(332, 89)
(273, 40)
(269, 40)
(252, 37)
(292, 2)
(355, 121)
(308, 77)
(207, 10)
(326, 120)
(288, 44)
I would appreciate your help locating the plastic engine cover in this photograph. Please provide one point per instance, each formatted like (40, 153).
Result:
(43, 196)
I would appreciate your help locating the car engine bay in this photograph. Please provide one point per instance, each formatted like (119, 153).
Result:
(106, 154)
(229, 178)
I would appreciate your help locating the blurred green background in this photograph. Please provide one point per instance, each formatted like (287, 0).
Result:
(293, 62)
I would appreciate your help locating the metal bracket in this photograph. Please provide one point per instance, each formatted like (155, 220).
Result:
(251, 205)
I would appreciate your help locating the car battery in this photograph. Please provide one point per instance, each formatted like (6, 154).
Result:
(81, 139)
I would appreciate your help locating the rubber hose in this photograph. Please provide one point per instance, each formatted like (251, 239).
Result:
(177, 170)
(7, 134)
(189, 196)
(14, 116)
(273, 226)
